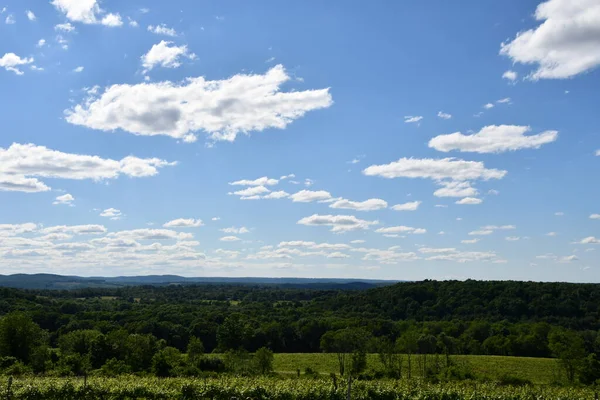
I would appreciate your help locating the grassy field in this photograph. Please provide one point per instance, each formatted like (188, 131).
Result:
(537, 370)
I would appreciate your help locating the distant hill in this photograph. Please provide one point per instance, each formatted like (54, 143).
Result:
(61, 282)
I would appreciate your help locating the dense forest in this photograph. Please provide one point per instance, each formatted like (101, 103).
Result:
(134, 329)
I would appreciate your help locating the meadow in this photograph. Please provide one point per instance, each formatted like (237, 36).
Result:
(537, 370)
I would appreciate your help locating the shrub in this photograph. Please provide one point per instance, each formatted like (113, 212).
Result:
(510, 380)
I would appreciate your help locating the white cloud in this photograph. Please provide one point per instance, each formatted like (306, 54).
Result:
(86, 12)
(228, 253)
(551, 234)
(315, 246)
(456, 189)
(21, 164)
(308, 182)
(389, 256)
(223, 109)
(432, 250)
(251, 191)
(30, 15)
(410, 206)
(598, 153)
(441, 233)
(75, 229)
(565, 44)
(41, 43)
(111, 213)
(183, 223)
(554, 257)
(367, 205)
(229, 239)
(595, 216)
(559, 213)
(441, 205)
(337, 254)
(512, 238)
(589, 240)
(287, 177)
(463, 256)
(162, 29)
(412, 119)
(510, 75)
(505, 100)
(166, 55)
(264, 181)
(66, 27)
(10, 62)
(112, 20)
(493, 192)
(17, 229)
(470, 241)
(488, 106)
(481, 232)
(568, 259)
(55, 237)
(444, 115)
(307, 196)
(469, 201)
(436, 169)
(357, 241)
(78, 69)
(338, 223)
(133, 23)
(493, 139)
(215, 218)
(62, 41)
(67, 199)
(280, 194)
(497, 227)
(402, 229)
(10, 19)
(150, 234)
(237, 231)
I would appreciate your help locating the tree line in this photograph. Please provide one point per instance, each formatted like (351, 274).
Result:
(138, 329)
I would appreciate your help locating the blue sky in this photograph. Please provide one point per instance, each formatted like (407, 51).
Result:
(397, 140)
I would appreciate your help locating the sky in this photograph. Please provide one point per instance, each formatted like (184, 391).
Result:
(386, 140)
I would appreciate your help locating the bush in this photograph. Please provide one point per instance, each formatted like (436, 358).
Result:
(114, 367)
(17, 369)
(211, 364)
(6, 362)
(510, 380)
(455, 373)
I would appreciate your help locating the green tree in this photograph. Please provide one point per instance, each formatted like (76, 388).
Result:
(166, 362)
(568, 347)
(408, 343)
(78, 342)
(20, 337)
(263, 359)
(195, 350)
(139, 351)
(390, 356)
(350, 347)
(426, 345)
(233, 333)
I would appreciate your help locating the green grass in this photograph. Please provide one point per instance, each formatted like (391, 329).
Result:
(537, 370)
